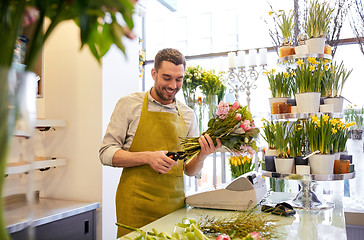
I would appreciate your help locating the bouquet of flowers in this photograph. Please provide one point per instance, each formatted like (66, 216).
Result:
(233, 125)
(240, 165)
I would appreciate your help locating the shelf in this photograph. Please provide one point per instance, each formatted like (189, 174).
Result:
(41, 124)
(303, 56)
(288, 116)
(50, 123)
(309, 177)
(23, 167)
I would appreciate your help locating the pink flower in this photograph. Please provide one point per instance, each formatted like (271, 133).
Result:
(235, 106)
(256, 235)
(247, 125)
(222, 110)
(238, 117)
(247, 149)
(223, 237)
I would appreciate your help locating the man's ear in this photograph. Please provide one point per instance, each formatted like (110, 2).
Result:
(154, 74)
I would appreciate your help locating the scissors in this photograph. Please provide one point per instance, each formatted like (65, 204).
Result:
(177, 155)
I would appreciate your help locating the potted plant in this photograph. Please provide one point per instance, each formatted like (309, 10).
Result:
(280, 85)
(297, 143)
(286, 24)
(284, 162)
(308, 78)
(334, 79)
(269, 152)
(191, 81)
(318, 20)
(320, 138)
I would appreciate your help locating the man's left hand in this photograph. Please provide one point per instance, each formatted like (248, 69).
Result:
(207, 144)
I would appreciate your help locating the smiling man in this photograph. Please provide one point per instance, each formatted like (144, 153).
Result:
(143, 128)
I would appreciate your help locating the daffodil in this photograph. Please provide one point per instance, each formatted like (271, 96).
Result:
(312, 60)
(312, 68)
(300, 62)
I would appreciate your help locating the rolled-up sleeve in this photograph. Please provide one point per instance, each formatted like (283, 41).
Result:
(116, 133)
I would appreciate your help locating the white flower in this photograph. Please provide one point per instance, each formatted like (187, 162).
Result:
(188, 80)
(246, 140)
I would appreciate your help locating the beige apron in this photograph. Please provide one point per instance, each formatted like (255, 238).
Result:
(144, 195)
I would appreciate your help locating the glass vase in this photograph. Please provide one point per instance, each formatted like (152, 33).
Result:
(190, 99)
(211, 102)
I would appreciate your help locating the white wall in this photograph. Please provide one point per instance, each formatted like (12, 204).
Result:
(72, 91)
(119, 78)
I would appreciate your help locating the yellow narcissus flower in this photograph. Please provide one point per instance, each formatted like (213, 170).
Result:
(334, 122)
(325, 117)
(312, 68)
(333, 130)
(270, 13)
(314, 118)
(286, 75)
(312, 60)
(326, 67)
(300, 62)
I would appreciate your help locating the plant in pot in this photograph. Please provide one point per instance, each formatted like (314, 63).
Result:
(297, 143)
(280, 85)
(270, 152)
(318, 20)
(307, 85)
(191, 81)
(334, 79)
(319, 131)
(284, 162)
(286, 24)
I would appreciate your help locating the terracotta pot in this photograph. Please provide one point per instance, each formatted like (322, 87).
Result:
(286, 51)
(274, 102)
(327, 49)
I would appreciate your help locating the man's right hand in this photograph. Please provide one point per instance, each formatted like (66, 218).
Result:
(159, 161)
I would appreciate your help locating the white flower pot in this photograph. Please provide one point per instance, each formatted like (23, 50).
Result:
(284, 165)
(327, 108)
(337, 102)
(316, 45)
(322, 164)
(270, 152)
(301, 50)
(308, 102)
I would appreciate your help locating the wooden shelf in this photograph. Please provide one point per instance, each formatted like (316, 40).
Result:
(23, 167)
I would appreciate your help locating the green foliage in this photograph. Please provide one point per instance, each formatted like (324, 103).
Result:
(282, 138)
(308, 76)
(98, 34)
(334, 79)
(318, 20)
(269, 131)
(286, 24)
(281, 84)
(297, 139)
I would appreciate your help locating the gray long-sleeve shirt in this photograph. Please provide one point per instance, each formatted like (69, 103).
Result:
(125, 119)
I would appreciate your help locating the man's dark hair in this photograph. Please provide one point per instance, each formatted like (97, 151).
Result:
(170, 55)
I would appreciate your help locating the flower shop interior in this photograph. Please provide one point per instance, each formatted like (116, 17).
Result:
(233, 53)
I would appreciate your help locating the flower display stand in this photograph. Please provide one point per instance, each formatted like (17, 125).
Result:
(306, 198)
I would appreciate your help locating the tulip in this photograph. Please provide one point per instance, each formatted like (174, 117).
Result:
(235, 106)
(223, 237)
(238, 117)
